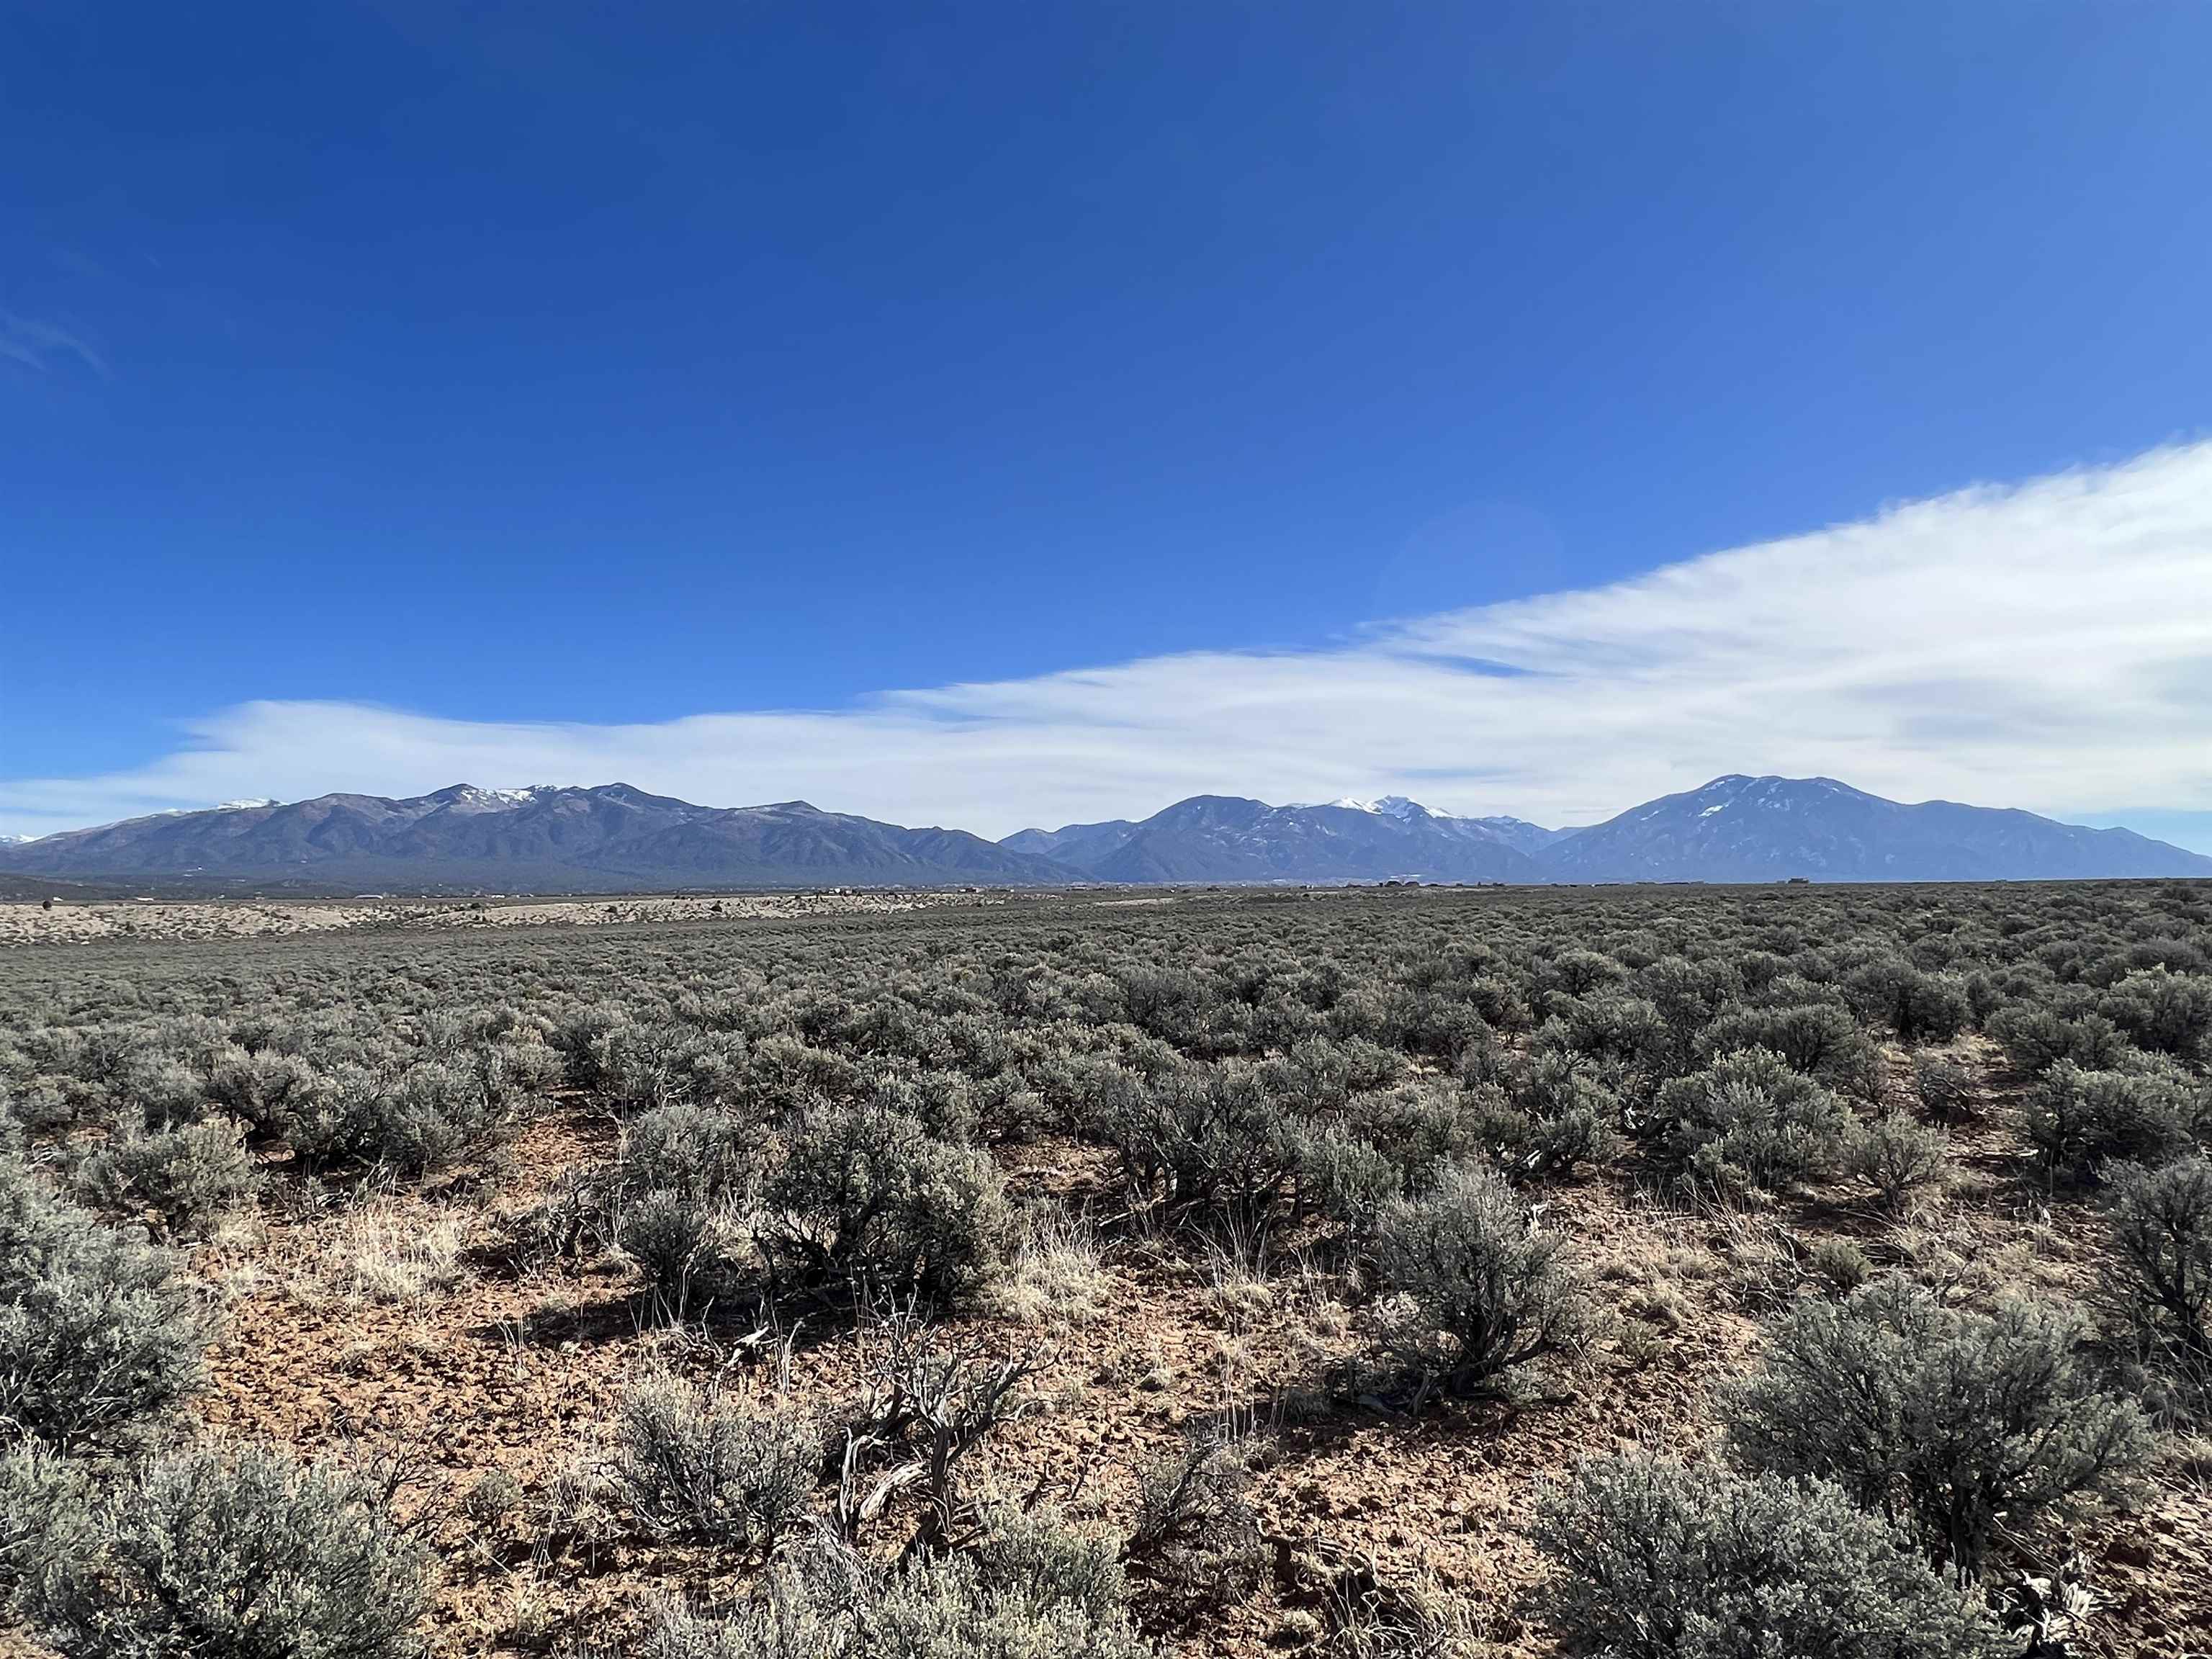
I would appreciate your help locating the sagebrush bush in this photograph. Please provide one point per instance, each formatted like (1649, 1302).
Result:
(1195, 1540)
(2077, 1120)
(2034, 1039)
(1654, 1559)
(576, 1037)
(2161, 1010)
(941, 1100)
(269, 1089)
(1044, 1593)
(649, 1065)
(1820, 1039)
(100, 1331)
(1415, 1127)
(1058, 1564)
(1749, 1118)
(1210, 1142)
(867, 1199)
(693, 1464)
(1552, 1114)
(707, 1155)
(237, 1555)
(1841, 1262)
(2161, 1223)
(1941, 1420)
(1627, 1032)
(1476, 1289)
(422, 1119)
(1897, 1156)
(1919, 1007)
(681, 1244)
(1945, 1087)
(190, 1177)
(1344, 1176)
(44, 1504)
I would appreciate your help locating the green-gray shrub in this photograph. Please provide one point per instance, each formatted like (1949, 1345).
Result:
(1819, 1039)
(190, 1177)
(100, 1331)
(270, 1090)
(1941, 1420)
(1653, 1559)
(242, 1555)
(2162, 1274)
(1034, 1598)
(1214, 1142)
(43, 1510)
(679, 1242)
(421, 1118)
(1919, 1007)
(1196, 1537)
(1750, 1118)
(867, 1200)
(2034, 1039)
(1841, 1263)
(1057, 1564)
(2166, 1012)
(1897, 1156)
(1553, 1113)
(1416, 1127)
(1476, 1289)
(1945, 1087)
(1346, 1178)
(2076, 1121)
(693, 1463)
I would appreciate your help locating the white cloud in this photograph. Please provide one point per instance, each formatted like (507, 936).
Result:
(35, 342)
(2048, 645)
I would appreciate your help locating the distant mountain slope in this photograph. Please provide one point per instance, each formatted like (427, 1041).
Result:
(1519, 833)
(1225, 838)
(1768, 828)
(544, 840)
(1079, 844)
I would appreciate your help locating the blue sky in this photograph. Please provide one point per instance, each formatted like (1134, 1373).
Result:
(372, 372)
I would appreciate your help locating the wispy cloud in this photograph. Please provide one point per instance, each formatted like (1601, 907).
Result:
(2047, 646)
(37, 343)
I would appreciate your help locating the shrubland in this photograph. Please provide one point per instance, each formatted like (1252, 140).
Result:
(1651, 1270)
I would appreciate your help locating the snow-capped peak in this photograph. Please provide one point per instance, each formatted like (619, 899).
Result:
(1388, 806)
(494, 799)
(245, 805)
(1397, 806)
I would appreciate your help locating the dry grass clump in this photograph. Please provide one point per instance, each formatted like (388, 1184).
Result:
(1238, 1291)
(396, 1253)
(1057, 1275)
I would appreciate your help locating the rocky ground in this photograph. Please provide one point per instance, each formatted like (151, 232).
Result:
(391, 1322)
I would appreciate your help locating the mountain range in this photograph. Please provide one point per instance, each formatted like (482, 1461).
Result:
(549, 839)
(1226, 838)
(612, 836)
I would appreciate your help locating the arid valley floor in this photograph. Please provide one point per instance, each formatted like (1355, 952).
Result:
(998, 1209)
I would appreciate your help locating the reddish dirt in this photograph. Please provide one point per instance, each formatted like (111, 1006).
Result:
(516, 1374)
